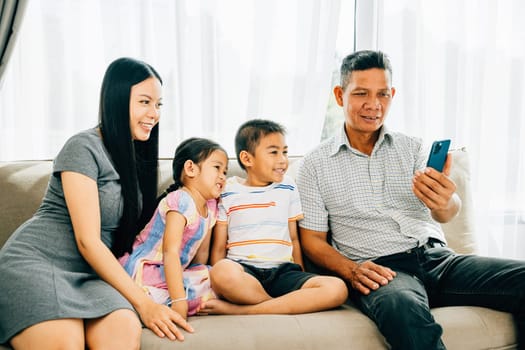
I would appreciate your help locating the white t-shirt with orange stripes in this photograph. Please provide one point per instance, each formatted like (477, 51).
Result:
(257, 219)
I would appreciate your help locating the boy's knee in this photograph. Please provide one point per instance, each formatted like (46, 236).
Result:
(336, 288)
(225, 272)
(340, 289)
(333, 288)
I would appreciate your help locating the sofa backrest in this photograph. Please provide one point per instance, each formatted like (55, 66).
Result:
(23, 184)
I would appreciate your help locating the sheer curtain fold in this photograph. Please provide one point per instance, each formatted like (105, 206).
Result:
(462, 77)
(11, 14)
(222, 63)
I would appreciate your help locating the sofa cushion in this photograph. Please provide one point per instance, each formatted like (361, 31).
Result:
(22, 185)
(342, 328)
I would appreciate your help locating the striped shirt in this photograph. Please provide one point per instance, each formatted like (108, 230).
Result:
(257, 219)
(366, 202)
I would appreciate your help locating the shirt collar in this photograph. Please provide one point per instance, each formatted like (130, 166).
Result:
(341, 141)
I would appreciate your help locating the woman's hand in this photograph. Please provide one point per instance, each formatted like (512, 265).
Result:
(163, 321)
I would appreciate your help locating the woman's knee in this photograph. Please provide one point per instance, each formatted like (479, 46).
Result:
(121, 329)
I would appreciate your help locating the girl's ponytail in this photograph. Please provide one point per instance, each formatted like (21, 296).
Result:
(195, 149)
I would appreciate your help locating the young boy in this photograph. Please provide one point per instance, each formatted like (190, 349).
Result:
(257, 234)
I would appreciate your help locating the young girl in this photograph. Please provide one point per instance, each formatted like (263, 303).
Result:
(169, 256)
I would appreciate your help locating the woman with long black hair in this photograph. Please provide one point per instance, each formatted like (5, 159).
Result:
(62, 286)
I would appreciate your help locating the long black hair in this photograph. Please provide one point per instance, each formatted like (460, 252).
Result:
(195, 149)
(135, 161)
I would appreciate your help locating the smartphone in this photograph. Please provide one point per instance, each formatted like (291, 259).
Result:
(438, 154)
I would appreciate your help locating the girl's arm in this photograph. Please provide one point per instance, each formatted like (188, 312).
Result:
(81, 195)
(175, 224)
(220, 237)
(296, 245)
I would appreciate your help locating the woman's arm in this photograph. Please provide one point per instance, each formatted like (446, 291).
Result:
(175, 223)
(81, 195)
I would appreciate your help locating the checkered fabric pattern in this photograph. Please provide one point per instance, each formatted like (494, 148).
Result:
(366, 201)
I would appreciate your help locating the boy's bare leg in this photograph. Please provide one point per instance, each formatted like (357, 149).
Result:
(229, 281)
(316, 294)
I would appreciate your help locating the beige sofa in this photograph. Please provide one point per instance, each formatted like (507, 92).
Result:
(22, 185)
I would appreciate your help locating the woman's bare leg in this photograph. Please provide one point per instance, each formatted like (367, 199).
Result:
(52, 335)
(120, 329)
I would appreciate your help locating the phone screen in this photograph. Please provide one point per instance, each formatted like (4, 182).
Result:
(438, 154)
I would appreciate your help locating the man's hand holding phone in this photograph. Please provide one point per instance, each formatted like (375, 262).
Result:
(433, 186)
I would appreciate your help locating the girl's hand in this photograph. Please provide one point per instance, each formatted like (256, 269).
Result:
(163, 321)
(181, 307)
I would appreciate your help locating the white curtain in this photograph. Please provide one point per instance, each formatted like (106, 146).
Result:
(459, 69)
(11, 14)
(222, 62)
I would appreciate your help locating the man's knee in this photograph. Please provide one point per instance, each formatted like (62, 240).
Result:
(404, 306)
(404, 318)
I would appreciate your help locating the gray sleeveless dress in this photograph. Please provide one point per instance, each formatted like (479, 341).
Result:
(42, 274)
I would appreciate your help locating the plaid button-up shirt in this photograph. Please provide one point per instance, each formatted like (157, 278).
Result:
(366, 201)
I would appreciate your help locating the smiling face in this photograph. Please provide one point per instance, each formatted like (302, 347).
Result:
(144, 108)
(269, 163)
(365, 100)
(211, 175)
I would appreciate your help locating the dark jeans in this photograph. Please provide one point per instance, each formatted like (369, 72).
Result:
(436, 276)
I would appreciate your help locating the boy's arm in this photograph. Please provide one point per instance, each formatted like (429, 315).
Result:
(220, 237)
(296, 246)
(175, 223)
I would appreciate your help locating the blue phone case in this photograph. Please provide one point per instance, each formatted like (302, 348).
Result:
(438, 154)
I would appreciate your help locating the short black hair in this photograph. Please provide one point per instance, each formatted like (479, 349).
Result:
(250, 133)
(363, 60)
